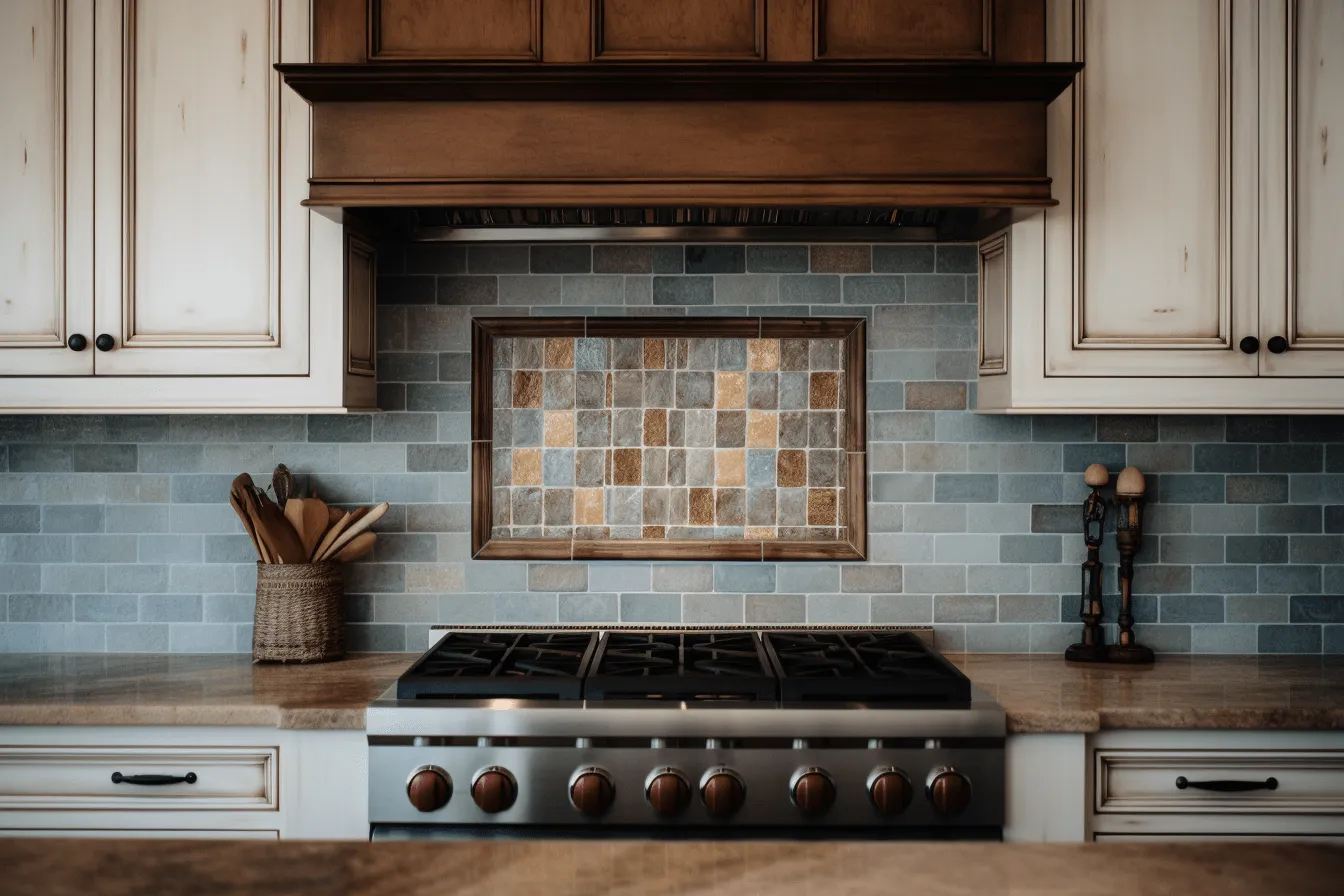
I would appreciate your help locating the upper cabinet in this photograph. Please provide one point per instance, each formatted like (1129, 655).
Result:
(155, 253)
(1192, 260)
(677, 31)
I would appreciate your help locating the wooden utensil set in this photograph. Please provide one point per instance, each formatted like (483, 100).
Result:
(301, 530)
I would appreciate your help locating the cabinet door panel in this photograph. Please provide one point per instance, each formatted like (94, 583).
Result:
(900, 30)
(668, 30)
(207, 202)
(462, 30)
(44, 289)
(1158, 261)
(1304, 303)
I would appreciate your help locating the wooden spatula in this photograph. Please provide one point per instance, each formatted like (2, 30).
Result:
(333, 531)
(356, 527)
(236, 503)
(308, 516)
(280, 537)
(357, 547)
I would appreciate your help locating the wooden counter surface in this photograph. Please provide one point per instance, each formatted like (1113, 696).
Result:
(1040, 693)
(590, 868)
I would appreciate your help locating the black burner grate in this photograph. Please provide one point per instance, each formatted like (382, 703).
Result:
(692, 666)
(873, 667)
(519, 665)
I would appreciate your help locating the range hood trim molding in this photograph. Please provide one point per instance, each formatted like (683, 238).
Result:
(638, 82)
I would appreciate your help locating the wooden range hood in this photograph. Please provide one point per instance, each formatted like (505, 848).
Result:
(407, 118)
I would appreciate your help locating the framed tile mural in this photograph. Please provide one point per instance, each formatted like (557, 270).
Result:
(668, 438)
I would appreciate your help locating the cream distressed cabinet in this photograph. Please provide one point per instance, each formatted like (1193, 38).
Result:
(1193, 262)
(155, 253)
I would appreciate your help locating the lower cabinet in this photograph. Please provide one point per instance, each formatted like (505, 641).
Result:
(1216, 785)
(194, 782)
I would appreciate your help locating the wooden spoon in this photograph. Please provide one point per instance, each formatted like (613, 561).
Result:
(332, 532)
(357, 547)
(236, 503)
(308, 516)
(280, 538)
(244, 491)
(356, 527)
(282, 483)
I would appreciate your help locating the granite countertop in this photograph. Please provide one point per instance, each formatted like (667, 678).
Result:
(58, 867)
(1040, 693)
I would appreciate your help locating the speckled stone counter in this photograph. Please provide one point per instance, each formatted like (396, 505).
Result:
(59, 867)
(1040, 693)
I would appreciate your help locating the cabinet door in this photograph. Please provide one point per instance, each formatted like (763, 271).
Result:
(46, 175)
(202, 165)
(1150, 256)
(1302, 266)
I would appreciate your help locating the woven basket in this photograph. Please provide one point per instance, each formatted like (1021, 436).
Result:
(300, 615)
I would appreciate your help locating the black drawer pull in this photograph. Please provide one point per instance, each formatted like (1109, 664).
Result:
(1228, 786)
(153, 780)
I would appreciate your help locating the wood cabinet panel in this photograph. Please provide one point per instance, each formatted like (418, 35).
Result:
(44, 289)
(1303, 107)
(669, 30)
(1156, 286)
(360, 276)
(477, 30)
(899, 30)
(995, 276)
(197, 198)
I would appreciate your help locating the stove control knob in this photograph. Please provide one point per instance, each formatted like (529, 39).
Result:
(890, 790)
(668, 791)
(723, 791)
(812, 790)
(949, 791)
(429, 788)
(591, 790)
(494, 789)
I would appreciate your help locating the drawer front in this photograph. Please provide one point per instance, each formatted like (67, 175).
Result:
(1145, 781)
(136, 834)
(242, 778)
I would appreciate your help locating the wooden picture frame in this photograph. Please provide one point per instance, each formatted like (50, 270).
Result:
(853, 439)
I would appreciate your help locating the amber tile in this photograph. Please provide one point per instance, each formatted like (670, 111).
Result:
(940, 396)
(527, 388)
(825, 390)
(609, 404)
(730, 467)
(730, 506)
(588, 507)
(627, 466)
(560, 353)
(526, 466)
(731, 391)
(791, 469)
(762, 427)
(766, 533)
(793, 354)
(841, 259)
(821, 507)
(655, 426)
(654, 531)
(702, 507)
(762, 354)
(655, 354)
(559, 429)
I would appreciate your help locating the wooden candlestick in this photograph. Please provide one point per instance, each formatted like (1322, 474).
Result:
(1129, 492)
(1092, 647)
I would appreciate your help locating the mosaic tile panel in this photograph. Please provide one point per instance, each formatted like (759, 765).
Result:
(669, 438)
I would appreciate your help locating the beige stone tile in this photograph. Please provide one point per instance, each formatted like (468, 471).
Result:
(560, 353)
(731, 390)
(730, 467)
(588, 507)
(762, 354)
(762, 532)
(527, 466)
(762, 428)
(559, 429)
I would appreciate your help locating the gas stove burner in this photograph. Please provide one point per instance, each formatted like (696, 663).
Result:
(520, 665)
(686, 666)
(873, 667)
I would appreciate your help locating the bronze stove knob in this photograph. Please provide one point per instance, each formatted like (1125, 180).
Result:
(494, 789)
(890, 790)
(949, 791)
(429, 788)
(668, 791)
(812, 790)
(591, 790)
(723, 791)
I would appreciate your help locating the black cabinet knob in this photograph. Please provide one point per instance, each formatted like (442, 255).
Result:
(77, 342)
(105, 343)
(1249, 344)
(1277, 344)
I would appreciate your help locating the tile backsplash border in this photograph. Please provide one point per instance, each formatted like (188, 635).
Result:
(114, 533)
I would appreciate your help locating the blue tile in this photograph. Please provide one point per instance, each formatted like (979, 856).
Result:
(1289, 639)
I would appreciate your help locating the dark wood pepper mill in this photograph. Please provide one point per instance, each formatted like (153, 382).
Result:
(1092, 648)
(1129, 490)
